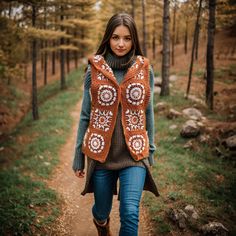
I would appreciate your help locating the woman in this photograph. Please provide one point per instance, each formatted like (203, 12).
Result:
(116, 128)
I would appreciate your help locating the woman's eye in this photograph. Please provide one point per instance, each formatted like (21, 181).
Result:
(115, 37)
(127, 39)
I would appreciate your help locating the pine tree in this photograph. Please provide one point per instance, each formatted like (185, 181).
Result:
(210, 55)
(165, 50)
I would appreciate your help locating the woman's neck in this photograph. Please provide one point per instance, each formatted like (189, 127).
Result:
(116, 62)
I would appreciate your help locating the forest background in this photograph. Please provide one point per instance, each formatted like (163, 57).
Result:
(44, 47)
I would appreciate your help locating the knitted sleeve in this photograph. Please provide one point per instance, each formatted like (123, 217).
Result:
(150, 126)
(78, 163)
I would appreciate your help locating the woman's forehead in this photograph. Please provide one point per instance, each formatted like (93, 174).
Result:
(121, 30)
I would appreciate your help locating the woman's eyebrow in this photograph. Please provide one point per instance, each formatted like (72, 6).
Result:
(124, 35)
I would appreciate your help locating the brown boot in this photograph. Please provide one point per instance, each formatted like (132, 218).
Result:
(103, 230)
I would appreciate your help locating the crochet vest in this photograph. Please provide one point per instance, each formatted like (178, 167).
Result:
(106, 94)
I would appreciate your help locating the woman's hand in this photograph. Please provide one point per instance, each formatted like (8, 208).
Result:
(80, 173)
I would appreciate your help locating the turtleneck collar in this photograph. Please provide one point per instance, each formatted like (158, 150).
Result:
(116, 62)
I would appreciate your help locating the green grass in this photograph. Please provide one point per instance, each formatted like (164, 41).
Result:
(182, 73)
(189, 176)
(27, 205)
(199, 73)
(14, 96)
(156, 74)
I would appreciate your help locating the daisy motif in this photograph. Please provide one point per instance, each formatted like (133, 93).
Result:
(140, 75)
(135, 93)
(137, 143)
(102, 119)
(97, 58)
(141, 59)
(106, 95)
(96, 143)
(100, 76)
(134, 120)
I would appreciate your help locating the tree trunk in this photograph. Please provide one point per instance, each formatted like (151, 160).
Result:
(193, 48)
(82, 37)
(177, 33)
(186, 38)
(62, 56)
(41, 55)
(26, 72)
(154, 45)
(53, 58)
(45, 44)
(154, 39)
(45, 65)
(166, 50)
(173, 35)
(197, 43)
(144, 28)
(210, 55)
(75, 52)
(68, 60)
(76, 59)
(132, 8)
(9, 10)
(68, 52)
(34, 61)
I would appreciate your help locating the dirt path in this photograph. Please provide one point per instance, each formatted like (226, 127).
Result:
(76, 218)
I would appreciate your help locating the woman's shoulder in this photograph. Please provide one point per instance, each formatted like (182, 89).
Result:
(94, 58)
(142, 59)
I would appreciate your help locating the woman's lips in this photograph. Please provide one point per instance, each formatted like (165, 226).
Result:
(120, 50)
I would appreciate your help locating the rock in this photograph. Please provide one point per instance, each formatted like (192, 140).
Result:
(161, 106)
(157, 81)
(214, 229)
(47, 163)
(189, 144)
(173, 127)
(189, 209)
(200, 124)
(204, 138)
(173, 78)
(191, 212)
(231, 142)
(157, 90)
(190, 129)
(195, 216)
(196, 99)
(179, 217)
(192, 113)
(194, 118)
(173, 114)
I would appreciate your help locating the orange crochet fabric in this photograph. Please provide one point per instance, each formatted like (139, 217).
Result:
(106, 94)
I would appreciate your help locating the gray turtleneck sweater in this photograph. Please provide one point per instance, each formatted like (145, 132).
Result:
(119, 156)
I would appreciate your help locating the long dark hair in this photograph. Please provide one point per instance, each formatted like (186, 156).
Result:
(117, 20)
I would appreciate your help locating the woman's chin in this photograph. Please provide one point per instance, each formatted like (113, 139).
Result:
(120, 54)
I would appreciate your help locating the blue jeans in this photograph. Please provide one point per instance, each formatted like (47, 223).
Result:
(131, 186)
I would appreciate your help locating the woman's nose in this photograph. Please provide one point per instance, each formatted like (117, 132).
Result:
(121, 42)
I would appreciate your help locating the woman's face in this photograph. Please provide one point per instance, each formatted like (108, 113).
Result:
(120, 41)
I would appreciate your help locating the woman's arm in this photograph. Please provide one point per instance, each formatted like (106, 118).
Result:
(78, 163)
(150, 125)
